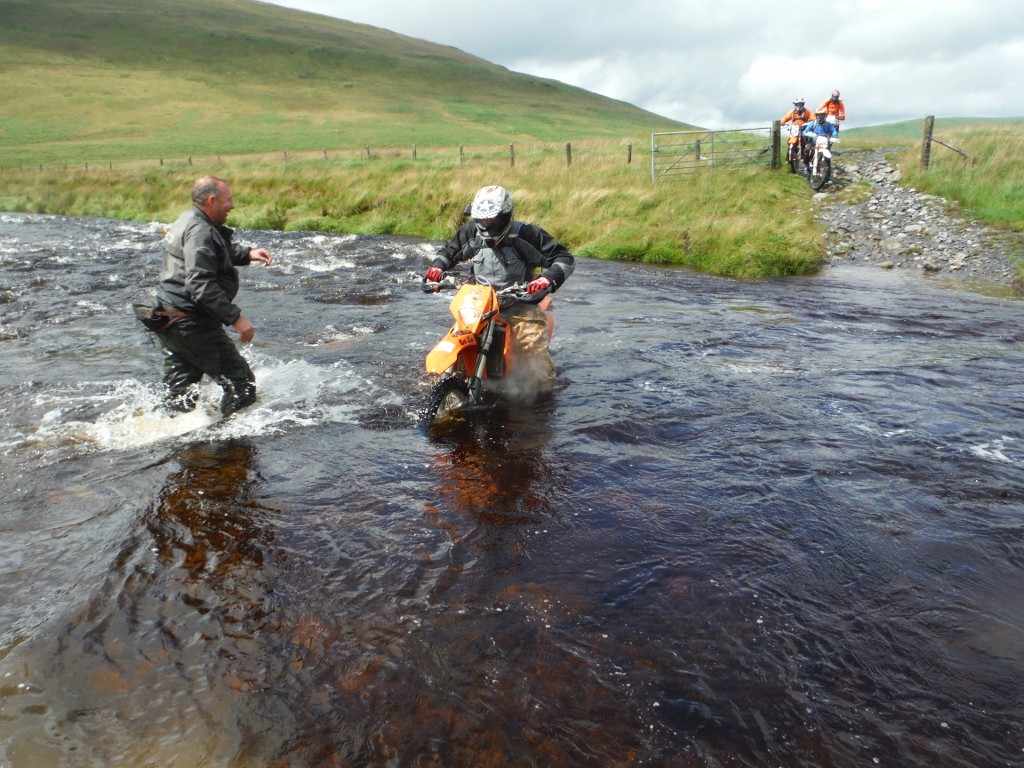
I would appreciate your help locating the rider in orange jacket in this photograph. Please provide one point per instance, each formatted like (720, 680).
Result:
(835, 108)
(799, 114)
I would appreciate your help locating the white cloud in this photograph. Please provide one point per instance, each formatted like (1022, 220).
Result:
(739, 63)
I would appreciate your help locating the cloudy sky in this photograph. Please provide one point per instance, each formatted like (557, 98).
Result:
(739, 63)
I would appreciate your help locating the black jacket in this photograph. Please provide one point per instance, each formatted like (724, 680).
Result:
(535, 246)
(199, 273)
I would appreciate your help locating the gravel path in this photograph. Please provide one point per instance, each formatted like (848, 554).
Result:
(900, 228)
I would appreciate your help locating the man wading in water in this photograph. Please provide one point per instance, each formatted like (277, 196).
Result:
(198, 283)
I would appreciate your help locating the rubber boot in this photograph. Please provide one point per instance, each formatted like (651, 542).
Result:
(238, 394)
(182, 401)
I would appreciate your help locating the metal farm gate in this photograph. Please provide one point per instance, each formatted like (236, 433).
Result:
(682, 152)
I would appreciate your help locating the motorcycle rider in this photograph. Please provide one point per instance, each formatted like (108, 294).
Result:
(799, 115)
(820, 127)
(835, 109)
(505, 252)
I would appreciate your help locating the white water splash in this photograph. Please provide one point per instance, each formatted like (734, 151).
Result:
(290, 394)
(995, 450)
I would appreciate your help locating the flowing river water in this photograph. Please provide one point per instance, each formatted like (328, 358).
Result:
(771, 523)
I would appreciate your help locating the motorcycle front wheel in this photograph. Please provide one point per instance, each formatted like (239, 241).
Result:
(819, 178)
(449, 395)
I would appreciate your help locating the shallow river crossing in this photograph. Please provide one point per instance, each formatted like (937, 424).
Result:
(775, 523)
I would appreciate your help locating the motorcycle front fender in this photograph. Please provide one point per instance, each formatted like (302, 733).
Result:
(826, 153)
(447, 352)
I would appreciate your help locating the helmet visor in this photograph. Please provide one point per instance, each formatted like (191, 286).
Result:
(495, 227)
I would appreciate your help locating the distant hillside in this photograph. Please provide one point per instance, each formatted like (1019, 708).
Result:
(124, 79)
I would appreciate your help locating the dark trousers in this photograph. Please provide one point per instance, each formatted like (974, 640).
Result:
(189, 353)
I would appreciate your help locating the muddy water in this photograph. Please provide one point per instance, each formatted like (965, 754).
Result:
(768, 523)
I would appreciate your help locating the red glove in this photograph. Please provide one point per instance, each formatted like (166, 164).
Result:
(538, 285)
(433, 274)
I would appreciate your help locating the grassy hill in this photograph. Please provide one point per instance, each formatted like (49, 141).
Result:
(112, 80)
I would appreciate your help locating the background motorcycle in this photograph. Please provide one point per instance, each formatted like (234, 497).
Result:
(796, 153)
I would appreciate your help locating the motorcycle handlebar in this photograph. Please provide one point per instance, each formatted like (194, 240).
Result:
(447, 281)
(534, 298)
(517, 292)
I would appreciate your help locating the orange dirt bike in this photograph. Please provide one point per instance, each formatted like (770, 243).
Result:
(796, 154)
(478, 348)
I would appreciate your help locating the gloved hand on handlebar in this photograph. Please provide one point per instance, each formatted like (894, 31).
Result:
(433, 274)
(538, 285)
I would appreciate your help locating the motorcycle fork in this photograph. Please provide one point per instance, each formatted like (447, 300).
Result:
(480, 369)
(497, 363)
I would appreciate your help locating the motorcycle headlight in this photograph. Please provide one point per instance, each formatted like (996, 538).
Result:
(469, 315)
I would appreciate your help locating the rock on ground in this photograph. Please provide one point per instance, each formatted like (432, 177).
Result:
(900, 228)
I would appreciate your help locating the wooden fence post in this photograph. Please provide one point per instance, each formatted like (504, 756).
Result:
(512, 155)
(462, 153)
(629, 153)
(367, 151)
(926, 146)
(413, 151)
(568, 154)
(776, 143)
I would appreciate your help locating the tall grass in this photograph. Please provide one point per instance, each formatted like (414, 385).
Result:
(988, 183)
(748, 223)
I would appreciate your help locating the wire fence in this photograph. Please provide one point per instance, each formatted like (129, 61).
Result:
(671, 154)
(462, 154)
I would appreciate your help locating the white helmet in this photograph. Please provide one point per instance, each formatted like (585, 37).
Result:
(493, 204)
